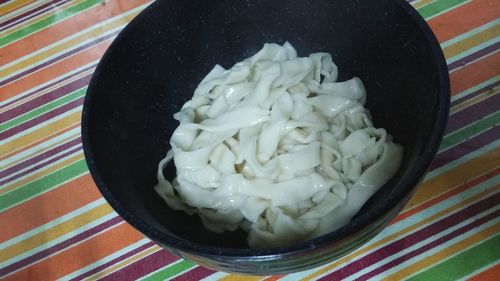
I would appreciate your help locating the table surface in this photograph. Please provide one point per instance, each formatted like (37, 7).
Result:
(54, 224)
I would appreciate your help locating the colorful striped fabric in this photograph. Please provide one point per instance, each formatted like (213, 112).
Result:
(54, 224)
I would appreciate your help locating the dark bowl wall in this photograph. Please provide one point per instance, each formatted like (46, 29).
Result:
(153, 67)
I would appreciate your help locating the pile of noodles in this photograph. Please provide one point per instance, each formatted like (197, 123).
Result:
(276, 146)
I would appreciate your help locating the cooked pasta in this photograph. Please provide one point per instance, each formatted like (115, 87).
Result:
(278, 147)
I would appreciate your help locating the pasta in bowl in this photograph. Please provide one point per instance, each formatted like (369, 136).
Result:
(318, 146)
(276, 146)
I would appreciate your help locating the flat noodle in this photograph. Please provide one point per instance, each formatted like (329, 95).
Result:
(276, 146)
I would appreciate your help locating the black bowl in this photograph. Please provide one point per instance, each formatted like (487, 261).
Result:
(156, 62)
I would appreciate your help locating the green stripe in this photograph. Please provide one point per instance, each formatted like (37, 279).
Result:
(48, 21)
(43, 184)
(464, 263)
(470, 130)
(42, 109)
(169, 271)
(438, 7)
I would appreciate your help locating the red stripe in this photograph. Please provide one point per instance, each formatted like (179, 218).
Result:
(196, 273)
(436, 200)
(137, 269)
(413, 238)
(427, 247)
(42, 118)
(46, 98)
(32, 13)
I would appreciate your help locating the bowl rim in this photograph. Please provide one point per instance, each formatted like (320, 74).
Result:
(405, 187)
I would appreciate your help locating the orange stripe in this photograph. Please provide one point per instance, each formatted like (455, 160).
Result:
(59, 84)
(463, 19)
(442, 255)
(238, 277)
(41, 173)
(48, 206)
(60, 132)
(9, 7)
(475, 73)
(80, 255)
(274, 278)
(453, 178)
(66, 28)
(436, 200)
(20, 142)
(57, 69)
(490, 274)
(409, 229)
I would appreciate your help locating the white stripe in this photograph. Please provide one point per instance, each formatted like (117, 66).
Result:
(48, 58)
(45, 160)
(40, 148)
(421, 244)
(469, 33)
(63, 83)
(59, 239)
(20, 10)
(39, 86)
(84, 88)
(43, 192)
(93, 28)
(445, 245)
(456, 200)
(130, 260)
(47, 167)
(447, 10)
(473, 61)
(302, 274)
(54, 22)
(476, 133)
(484, 268)
(52, 223)
(472, 50)
(419, 1)
(72, 245)
(162, 268)
(41, 125)
(106, 259)
(475, 88)
(216, 276)
(451, 165)
(39, 16)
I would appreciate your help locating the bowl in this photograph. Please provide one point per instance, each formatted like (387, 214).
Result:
(156, 62)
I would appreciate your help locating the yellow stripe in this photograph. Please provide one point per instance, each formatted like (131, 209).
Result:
(422, 3)
(38, 152)
(472, 41)
(394, 236)
(66, 45)
(27, 7)
(236, 277)
(49, 129)
(42, 173)
(124, 263)
(42, 16)
(445, 253)
(453, 178)
(474, 100)
(55, 232)
(56, 86)
(8, 7)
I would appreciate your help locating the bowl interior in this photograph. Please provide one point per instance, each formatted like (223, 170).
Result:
(155, 64)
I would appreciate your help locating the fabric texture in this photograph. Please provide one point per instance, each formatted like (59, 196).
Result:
(54, 223)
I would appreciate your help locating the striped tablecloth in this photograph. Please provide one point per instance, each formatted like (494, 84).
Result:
(54, 224)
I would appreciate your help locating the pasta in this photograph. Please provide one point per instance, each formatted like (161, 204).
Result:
(278, 147)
